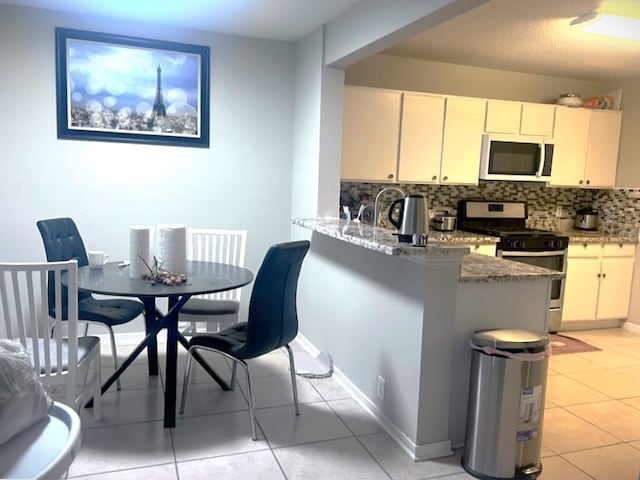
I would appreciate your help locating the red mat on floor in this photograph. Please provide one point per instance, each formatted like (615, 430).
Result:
(562, 344)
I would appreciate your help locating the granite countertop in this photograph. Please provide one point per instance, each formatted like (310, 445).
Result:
(474, 268)
(601, 236)
(483, 268)
(378, 239)
(460, 237)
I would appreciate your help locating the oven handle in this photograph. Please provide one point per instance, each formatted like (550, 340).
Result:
(552, 253)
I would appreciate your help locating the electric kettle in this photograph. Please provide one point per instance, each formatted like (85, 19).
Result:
(413, 219)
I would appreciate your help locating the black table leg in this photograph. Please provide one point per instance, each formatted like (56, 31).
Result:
(151, 336)
(150, 320)
(172, 367)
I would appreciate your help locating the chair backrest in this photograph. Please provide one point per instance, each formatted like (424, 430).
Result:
(223, 246)
(273, 315)
(25, 317)
(62, 241)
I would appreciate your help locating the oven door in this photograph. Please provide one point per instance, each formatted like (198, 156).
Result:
(553, 260)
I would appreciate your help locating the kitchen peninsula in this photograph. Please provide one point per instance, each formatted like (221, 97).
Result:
(396, 319)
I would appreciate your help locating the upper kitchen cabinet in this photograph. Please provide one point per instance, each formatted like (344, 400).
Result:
(463, 128)
(586, 147)
(371, 129)
(602, 149)
(518, 118)
(421, 138)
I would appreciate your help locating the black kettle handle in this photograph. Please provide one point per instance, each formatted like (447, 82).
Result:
(394, 222)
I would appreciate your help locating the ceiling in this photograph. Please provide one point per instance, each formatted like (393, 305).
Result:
(530, 36)
(287, 20)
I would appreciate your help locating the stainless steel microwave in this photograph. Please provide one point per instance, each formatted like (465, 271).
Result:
(516, 158)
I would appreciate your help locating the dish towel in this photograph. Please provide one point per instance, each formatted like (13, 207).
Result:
(171, 250)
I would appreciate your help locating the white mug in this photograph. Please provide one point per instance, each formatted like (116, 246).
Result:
(97, 258)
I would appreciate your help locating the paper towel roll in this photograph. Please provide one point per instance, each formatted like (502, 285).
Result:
(171, 249)
(139, 245)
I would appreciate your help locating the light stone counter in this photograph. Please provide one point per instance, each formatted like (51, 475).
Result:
(600, 236)
(475, 267)
(379, 239)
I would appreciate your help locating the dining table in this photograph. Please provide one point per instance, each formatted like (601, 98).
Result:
(201, 278)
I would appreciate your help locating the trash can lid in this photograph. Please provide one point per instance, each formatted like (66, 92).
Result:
(511, 339)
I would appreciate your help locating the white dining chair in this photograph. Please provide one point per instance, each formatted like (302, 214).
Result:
(68, 365)
(212, 311)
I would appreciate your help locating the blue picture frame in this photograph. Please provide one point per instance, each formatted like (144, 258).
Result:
(125, 89)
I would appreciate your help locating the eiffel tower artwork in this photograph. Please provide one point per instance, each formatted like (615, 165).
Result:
(159, 110)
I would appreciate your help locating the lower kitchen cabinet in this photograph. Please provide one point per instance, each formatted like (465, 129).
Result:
(483, 248)
(598, 282)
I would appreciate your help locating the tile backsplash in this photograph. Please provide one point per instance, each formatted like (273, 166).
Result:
(619, 209)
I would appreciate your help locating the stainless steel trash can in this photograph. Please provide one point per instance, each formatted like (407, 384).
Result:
(506, 404)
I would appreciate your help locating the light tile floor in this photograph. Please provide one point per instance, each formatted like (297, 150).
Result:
(591, 428)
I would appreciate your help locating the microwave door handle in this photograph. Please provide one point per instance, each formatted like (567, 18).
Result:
(540, 160)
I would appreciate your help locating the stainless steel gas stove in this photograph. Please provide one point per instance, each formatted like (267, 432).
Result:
(507, 221)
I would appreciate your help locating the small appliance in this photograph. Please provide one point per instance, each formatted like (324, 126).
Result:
(413, 218)
(519, 158)
(586, 219)
(444, 222)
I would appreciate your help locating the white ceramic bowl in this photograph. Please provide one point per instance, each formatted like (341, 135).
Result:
(570, 101)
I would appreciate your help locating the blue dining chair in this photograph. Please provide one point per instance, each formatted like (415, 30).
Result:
(272, 321)
(62, 241)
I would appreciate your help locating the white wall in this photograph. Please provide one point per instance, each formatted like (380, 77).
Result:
(387, 71)
(628, 173)
(243, 180)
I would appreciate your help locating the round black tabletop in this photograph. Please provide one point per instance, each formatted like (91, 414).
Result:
(202, 277)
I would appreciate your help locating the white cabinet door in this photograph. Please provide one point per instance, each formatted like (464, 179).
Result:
(581, 289)
(537, 119)
(571, 136)
(615, 288)
(421, 138)
(463, 128)
(518, 118)
(370, 133)
(615, 281)
(483, 249)
(503, 117)
(602, 149)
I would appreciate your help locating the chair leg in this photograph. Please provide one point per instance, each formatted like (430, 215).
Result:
(250, 398)
(185, 383)
(294, 385)
(114, 352)
(234, 375)
(97, 392)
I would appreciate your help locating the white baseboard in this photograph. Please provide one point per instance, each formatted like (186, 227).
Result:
(415, 451)
(632, 327)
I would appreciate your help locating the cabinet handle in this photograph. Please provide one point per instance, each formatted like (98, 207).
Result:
(620, 245)
(580, 182)
(599, 275)
(588, 182)
(445, 178)
(434, 178)
(584, 245)
(604, 275)
(390, 176)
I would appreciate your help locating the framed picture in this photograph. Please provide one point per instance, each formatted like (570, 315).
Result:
(126, 89)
